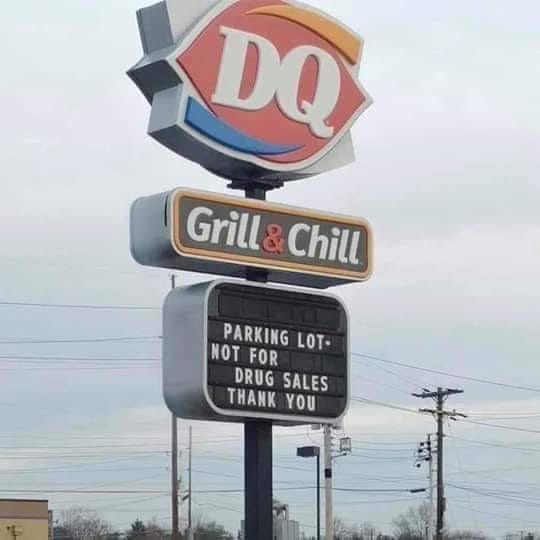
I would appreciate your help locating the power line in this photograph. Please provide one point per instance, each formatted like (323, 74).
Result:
(114, 507)
(380, 501)
(55, 359)
(200, 492)
(497, 515)
(375, 458)
(502, 469)
(383, 385)
(146, 338)
(404, 409)
(88, 491)
(354, 490)
(410, 380)
(79, 306)
(146, 438)
(498, 426)
(523, 416)
(385, 405)
(86, 447)
(495, 495)
(494, 479)
(302, 488)
(379, 450)
(41, 457)
(79, 267)
(439, 372)
(89, 340)
(495, 445)
(506, 414)
(70, 470)
(64, 368)
(413, 411)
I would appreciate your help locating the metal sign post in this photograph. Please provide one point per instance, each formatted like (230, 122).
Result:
(256, 354)
(191, 73)
(258, 479)
(234, 351)
(186, 229)
(258, 447)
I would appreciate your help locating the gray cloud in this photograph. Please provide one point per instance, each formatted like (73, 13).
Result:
(447, 172)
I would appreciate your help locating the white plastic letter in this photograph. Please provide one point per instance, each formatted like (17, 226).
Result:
(293, 235)
(231, 72)
(326, 95)
(200, 232)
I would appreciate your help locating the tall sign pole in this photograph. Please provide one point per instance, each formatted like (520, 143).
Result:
(247, 351)
(258, 480)
(258, 444)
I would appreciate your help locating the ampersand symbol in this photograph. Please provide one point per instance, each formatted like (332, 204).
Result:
(273, 243)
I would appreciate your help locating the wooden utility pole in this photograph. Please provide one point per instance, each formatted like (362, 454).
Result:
(190, 500)
(174, 464)
(328, 499)
(441, 501)
(440, 396)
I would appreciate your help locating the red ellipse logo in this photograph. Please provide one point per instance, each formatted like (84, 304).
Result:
(271, 82)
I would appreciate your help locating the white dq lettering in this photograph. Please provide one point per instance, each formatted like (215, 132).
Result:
(279, 78)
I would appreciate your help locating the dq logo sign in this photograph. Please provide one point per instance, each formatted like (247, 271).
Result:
(268, 82)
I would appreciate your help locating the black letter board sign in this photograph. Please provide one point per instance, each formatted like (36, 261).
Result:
(267, 352)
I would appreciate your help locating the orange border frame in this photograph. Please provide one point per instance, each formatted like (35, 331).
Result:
(261, 261)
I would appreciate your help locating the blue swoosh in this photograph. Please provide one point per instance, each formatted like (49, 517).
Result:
(211, 126)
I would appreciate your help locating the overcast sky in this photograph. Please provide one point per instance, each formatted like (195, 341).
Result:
(447, 173)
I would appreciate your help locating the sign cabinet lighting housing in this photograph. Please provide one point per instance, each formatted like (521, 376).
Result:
(235, 351)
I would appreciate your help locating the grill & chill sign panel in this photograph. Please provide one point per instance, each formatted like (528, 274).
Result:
(269, 352)
(206, 232)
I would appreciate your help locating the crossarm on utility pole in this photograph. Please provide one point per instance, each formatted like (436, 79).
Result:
(440, 414)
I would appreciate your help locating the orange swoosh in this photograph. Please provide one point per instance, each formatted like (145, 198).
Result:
(345, 41)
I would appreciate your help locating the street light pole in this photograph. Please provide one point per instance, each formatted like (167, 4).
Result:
(307, 452)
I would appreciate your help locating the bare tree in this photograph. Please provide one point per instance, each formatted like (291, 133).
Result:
(340, 529)
(210, 530)
(522, 535)
(466, 535)
(154, 531)
(137, 532)
(365, 531)
(81, 524)
(413, 524)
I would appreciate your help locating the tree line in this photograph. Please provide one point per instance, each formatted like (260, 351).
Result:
(82, 524)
